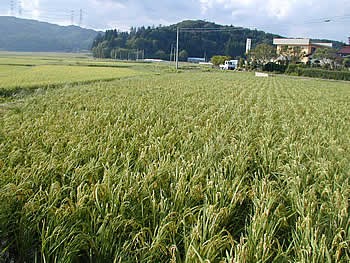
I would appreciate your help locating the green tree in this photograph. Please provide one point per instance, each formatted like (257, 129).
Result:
(161, 54)
(102, 50)
(346, 62)
(183, 55)
(153, 39)
(292, 54)
(241, 63)
(262, 54)
(234, 48)
(325, 53)
(327, 56)
(217, 60)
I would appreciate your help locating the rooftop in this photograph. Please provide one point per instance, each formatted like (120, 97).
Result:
(299, 42)
(345, 50)
(291, 41)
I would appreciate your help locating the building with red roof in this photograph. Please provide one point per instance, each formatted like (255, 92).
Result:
(344, 51)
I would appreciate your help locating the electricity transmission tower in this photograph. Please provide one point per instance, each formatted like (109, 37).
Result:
(72, 17)
(80, 17)
(19, 8)
(12, 7)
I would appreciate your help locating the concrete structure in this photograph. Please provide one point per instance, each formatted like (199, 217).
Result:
(248, 45)
(261, 75)
(307, 46)
(153, 60)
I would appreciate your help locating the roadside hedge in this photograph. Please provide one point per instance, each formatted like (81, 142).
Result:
(273, 67)
(298, 70)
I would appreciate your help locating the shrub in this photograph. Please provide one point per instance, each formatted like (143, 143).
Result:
(293, 69)
(346, 62)
(217, 60)
(273, 67)
(298, 70)
(326, 74)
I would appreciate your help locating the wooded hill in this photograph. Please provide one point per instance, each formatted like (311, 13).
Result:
(157, 42)
(31, 35)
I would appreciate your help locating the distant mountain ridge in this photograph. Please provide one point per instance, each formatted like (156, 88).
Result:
(34, 36)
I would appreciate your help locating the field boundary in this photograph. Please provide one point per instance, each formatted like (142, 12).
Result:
(27, 90)
(311, 78)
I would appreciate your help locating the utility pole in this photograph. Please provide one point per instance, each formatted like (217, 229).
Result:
(177, 48)
(171, 53)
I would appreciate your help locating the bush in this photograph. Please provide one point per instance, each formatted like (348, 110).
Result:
(273, 67)
(217, 60)
(326, 74)
(297, 70)
(183, 55)
(346, 62)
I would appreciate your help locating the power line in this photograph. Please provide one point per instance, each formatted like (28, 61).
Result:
(230, 28)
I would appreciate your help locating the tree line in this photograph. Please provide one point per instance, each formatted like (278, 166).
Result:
(159, 42)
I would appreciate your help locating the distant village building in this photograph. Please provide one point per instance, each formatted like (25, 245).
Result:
(195, 60)
(344, 51)
(306, 46)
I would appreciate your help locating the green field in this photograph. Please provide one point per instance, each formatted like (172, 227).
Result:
(44, 75)
(177, 167)
(20, 73)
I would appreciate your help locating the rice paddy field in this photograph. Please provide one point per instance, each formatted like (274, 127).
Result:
(176, 167)
(24, 72)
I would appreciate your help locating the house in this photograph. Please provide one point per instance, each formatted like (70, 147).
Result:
(306, 47)
(344, 51)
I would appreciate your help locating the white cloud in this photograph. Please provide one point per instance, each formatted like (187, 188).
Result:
(31, 8)
(293, 18)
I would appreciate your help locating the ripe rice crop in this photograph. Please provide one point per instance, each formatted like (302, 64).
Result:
(189, 167)
(19, 77)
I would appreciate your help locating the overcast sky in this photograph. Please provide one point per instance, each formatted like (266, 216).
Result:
(293, 18)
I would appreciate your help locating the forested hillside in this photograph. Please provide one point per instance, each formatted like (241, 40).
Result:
(30, 35)
(159, 42)
(156, 42)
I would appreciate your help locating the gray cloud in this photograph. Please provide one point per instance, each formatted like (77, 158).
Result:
(295, 18)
